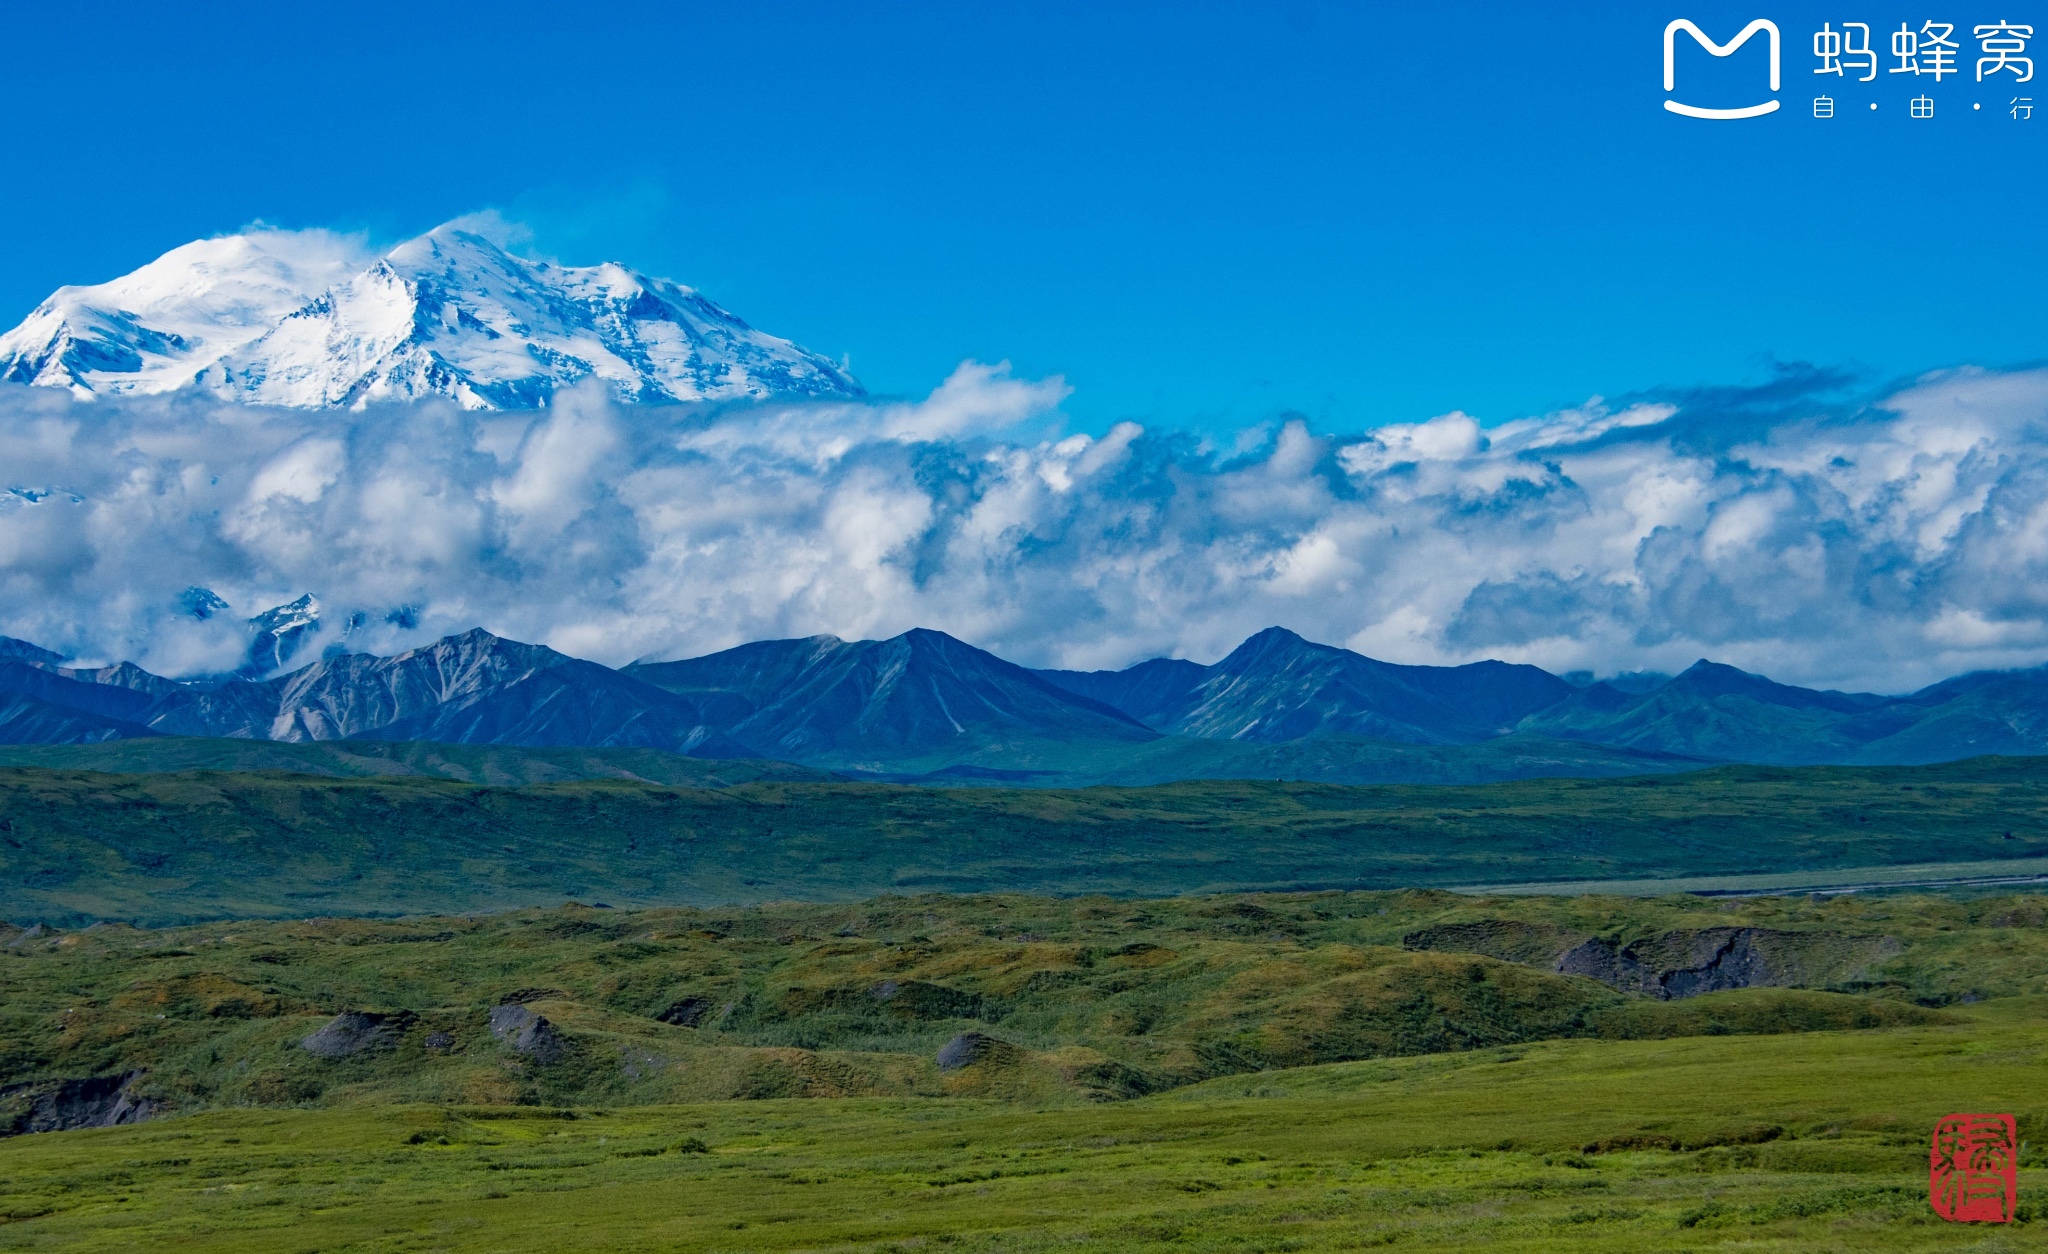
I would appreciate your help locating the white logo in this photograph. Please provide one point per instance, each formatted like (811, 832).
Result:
(1719, 50)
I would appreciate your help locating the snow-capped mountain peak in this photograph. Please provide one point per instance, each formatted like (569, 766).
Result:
(149, 331)
(295, 319)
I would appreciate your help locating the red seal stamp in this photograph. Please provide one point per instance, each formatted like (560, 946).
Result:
(1973, 1168)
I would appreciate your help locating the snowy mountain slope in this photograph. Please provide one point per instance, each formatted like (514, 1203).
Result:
(295, 319)
(154, 330)
(279, 632)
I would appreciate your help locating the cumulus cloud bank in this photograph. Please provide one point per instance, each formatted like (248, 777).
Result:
(1882, 547)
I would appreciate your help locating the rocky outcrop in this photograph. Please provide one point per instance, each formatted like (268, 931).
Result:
(1686, 963)
(970, 1048)
(355, 1032)
(528, 1033)
(60, 1105)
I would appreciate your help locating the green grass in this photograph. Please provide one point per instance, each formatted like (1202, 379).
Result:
(1330, 1070)
(1808, 1143)
(1095, 999)
(158, 848)
(1260, 1073)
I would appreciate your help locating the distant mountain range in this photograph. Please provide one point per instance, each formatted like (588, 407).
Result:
(926, 707)
(302, 320)
(1277, 687)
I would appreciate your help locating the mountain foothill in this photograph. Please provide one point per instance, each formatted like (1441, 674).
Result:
(925, 707)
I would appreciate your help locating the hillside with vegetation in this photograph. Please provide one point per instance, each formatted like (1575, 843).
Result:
(474, 998)
(1083, 999)
(80, 846)
(998, 1073)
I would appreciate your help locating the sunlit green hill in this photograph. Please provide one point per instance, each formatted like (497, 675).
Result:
(1300, 1073)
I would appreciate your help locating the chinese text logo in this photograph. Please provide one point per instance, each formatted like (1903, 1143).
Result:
(1846, 49)
(2002, 45)
(1931, 50)
(1973, 1168)
(1719, 50)
(1928, 50)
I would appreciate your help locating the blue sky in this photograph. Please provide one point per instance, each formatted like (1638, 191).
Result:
(1201, 215)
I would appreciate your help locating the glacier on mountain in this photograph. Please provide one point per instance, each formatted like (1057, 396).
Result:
(307, 320)
(1885, 539)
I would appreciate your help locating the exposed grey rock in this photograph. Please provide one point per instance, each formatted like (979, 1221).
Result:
(439, 1042)
(1602, 960)
(60, 1105)
(1684, 962)
(969, 1048)
(527, 1032)
(355, 1031)
(1689, 962)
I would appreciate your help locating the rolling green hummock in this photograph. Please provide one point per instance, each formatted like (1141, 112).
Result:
(1006, 1073)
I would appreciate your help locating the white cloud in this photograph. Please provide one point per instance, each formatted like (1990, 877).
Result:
(1448, 437)
(1880, 549)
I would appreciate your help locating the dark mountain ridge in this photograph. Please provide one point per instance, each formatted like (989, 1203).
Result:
(924, 706)
(22, 650)
(475, 688)
(1278, 687)
(1717, 711)
(824, 697)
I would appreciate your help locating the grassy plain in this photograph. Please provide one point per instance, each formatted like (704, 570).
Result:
(1813, 1142)
(1333, 1070)
(163, 848)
